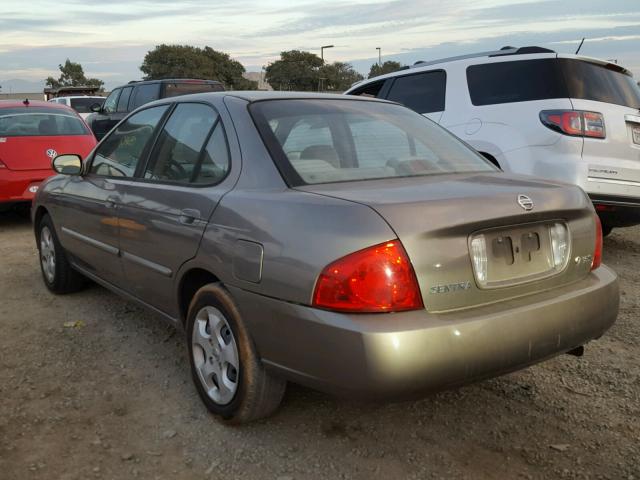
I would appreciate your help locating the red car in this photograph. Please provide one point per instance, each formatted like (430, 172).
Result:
(31, 135)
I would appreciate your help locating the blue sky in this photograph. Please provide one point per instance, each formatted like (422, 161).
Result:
(110, 38)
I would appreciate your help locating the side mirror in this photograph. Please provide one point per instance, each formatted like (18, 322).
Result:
(95, 107)
(68, 164)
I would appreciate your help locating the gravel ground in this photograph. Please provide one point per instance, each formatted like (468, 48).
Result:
(93, 386)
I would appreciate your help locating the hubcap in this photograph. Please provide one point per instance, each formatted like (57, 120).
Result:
(215, 355)
(47, 254)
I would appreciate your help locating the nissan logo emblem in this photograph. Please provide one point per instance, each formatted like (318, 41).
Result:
(525, 202)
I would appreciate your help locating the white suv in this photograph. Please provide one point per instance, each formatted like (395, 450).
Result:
(80, 103)
(533, 111)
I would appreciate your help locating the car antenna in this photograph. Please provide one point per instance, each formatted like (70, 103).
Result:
(579, 46)
(26, 102)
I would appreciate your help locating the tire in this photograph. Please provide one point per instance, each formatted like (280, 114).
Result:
(57, 273)
(237, 393)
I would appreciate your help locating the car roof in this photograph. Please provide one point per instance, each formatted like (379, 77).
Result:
(33, 103)
(507, 54)
(259, 95)
(71, 97)
(169, 80)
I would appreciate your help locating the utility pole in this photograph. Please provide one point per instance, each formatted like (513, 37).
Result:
(322, 51)
(379, 55)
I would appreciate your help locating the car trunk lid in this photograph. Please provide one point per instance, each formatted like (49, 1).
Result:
(436, 218)
(36, 152)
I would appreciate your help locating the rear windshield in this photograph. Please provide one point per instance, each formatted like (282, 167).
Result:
(34, 122)
(541, 79)
(323, 141)
(175, 89)
(83, 105)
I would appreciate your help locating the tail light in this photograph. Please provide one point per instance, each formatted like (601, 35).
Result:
(576, 123)
(376, 279)
(597, 251)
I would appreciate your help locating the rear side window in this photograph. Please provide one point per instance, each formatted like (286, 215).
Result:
(178, 155)
(35, 122)
(123, 102)
(120, 152)
(175, 89)
(421, 92)
(145, 94)
(589, 81)
(520, 81)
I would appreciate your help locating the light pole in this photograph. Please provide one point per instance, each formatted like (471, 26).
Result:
(379, 55)
(322, 51)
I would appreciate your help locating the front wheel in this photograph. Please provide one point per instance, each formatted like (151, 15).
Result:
(57, 273)
(226, 370)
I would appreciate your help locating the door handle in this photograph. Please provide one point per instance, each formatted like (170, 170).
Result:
(188, 216)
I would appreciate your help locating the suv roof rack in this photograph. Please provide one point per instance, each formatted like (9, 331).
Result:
(493, 53)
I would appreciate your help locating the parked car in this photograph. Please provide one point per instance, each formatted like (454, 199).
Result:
(346, 244)
(127, 98)
(32, 133)
(533, 111)
(80, 103)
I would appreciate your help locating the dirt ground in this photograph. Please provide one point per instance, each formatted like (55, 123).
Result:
(93, 386)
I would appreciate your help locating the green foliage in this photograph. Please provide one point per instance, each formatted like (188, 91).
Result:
(338, 76)
(72, 75)
(387, 67)
(306, 72)
(185, 61)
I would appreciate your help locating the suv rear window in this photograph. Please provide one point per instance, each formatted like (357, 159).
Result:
(421, 92)
(541, 79)
(324, 141)
(175, 89)
(590, 81)
(518, 81)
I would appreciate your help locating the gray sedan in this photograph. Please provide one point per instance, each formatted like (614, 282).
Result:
(343, 243)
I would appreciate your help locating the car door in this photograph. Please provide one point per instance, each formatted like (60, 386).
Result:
(89, 206)
(102, 122)
(165, 210)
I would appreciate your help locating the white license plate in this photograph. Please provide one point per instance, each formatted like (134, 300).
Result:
(635, 131)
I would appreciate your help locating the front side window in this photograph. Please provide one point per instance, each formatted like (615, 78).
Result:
(123, 101)
(324, 141)
(111, 103)
(39, 121)
(180, 154)
(121, 151)
(421, 92)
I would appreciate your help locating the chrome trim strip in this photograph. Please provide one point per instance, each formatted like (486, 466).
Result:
(91, 241)
(632, 118)
(162, 270)
(611, 180)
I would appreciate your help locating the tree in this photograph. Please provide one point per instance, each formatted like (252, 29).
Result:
(72, 75)
(338, 76)
(296, 70)
(387, 67)
(185, 61)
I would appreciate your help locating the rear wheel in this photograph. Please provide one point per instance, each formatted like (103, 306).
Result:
(226, 370)
(57, 273)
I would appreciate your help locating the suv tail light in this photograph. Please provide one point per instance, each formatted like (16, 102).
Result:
(576, 123)
(597, 251)
(376, 279)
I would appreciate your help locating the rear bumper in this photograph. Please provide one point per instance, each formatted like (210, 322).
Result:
(404, 354)
(617, 211)
(21, 185)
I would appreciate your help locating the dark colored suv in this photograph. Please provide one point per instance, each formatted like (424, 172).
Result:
(127, 98)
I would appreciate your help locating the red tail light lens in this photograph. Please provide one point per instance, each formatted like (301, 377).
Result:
(597, 251)
(574, 122)
(376, 279)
